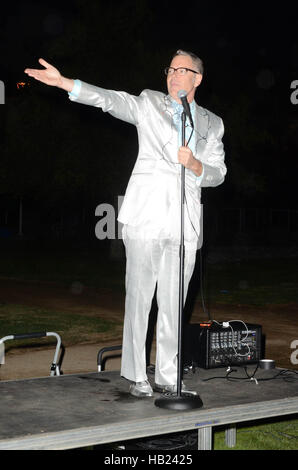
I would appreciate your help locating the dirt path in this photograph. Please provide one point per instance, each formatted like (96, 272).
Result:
(279, 324)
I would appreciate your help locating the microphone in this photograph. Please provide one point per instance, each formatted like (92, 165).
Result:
(182, 95)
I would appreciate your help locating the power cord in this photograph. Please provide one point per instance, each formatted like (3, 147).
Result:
(284, 374)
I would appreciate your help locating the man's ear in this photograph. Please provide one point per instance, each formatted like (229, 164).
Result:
(198, 79)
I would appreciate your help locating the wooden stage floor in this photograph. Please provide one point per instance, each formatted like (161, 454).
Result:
(74, 411)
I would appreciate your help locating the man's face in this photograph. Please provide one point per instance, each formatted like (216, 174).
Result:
(188, 82)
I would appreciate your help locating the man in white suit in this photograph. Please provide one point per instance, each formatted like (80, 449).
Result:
(151, 208)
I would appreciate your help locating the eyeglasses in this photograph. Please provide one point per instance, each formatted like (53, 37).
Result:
(179, 70)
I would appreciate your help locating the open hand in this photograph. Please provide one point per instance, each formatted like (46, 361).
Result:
(49, 75)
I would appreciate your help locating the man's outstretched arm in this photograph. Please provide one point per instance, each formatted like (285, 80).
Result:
(119, 104)
(50, 76)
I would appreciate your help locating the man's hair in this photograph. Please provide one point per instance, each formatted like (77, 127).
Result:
(198, 63)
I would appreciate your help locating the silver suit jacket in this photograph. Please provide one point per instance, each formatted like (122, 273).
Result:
(152, 198)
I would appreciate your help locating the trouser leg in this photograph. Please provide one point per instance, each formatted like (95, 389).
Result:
(168, 311)
(140, 284)
(148, 262)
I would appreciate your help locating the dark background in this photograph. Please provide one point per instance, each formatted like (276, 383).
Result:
(59, 160)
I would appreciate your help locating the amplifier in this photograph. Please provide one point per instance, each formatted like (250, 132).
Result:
(213, 344)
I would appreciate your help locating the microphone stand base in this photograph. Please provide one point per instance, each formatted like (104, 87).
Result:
(185, 401)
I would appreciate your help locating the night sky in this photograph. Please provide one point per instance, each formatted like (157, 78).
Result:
(68, 155)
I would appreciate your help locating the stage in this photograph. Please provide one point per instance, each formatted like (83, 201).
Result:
(74, 411)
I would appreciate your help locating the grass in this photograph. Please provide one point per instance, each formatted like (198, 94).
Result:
(64, 266)
(268, 435)
(73, 328)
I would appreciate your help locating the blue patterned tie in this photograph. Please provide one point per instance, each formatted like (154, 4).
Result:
(178, 109)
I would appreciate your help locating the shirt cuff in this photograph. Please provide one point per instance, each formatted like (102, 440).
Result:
(74, 93)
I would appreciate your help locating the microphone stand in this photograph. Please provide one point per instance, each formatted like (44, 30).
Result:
(181, 400)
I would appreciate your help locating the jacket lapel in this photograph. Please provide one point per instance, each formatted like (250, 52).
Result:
(202, 127)
(169, 133)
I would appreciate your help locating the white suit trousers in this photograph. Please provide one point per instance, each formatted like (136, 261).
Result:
(150, 262)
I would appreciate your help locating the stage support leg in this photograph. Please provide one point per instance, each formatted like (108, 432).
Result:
(230, 436)
(205, 438)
